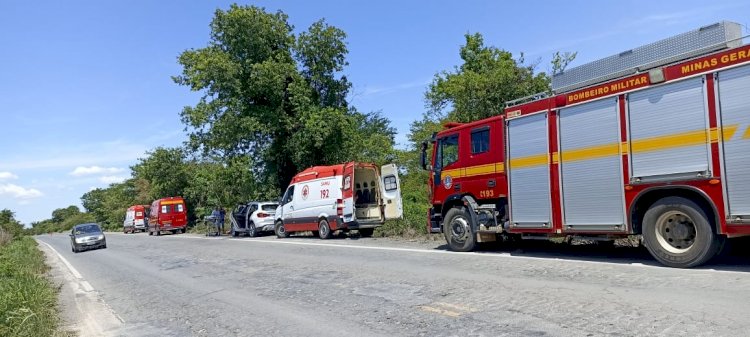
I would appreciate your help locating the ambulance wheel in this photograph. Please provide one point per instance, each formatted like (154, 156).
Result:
(457, 230)
(324, 230)
(280, 230)
(366, 232)
(677, 233)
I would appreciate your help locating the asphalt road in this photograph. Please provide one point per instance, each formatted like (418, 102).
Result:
(183, 285)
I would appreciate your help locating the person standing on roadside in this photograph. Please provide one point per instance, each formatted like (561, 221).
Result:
(216, 215)
(222, 214)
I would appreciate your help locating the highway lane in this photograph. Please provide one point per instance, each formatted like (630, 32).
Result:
(183, 285)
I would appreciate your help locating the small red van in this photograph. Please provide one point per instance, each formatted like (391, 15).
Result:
(167, 215)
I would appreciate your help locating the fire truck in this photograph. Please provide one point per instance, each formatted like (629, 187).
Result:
(654, 141)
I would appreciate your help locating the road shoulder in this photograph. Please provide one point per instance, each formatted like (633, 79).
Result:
(83, 309)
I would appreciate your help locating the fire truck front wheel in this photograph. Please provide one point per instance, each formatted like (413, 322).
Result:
(457, 230)
(677, 233)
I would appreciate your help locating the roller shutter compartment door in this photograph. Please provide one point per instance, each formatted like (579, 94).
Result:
(734, 101)
(528, 171)
(590, 166)
(668, 135)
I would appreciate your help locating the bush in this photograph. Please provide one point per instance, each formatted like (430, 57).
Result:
(28, 301)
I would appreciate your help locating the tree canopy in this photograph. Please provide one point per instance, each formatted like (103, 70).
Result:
(276, 97)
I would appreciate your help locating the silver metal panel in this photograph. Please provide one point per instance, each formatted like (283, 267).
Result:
(680, 47)
(592, 186)
(529, 186)
(671, 110)
(734, 100)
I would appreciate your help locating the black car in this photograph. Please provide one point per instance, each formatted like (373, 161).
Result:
(87, 236)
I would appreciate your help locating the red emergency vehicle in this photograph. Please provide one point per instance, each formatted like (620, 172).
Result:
(135, 219)
(167, 215)
(654, 141)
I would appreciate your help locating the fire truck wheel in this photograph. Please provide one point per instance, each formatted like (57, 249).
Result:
(280, 230)
(457, 230)
(324, 230)
(677, 233)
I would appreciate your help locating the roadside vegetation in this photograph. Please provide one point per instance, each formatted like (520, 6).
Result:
(275, 100)
(28, 300)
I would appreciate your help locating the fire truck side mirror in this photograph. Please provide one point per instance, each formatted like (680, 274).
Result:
(423, 157)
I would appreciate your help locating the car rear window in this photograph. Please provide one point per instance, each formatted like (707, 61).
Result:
(269, 207)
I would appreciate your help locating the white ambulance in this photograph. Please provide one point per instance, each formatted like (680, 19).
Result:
(326, 199)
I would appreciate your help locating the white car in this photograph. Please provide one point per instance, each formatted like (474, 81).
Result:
(253, 218)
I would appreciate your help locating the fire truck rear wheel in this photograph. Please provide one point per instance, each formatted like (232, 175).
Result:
(324, 230)
(457, 230)
(280, 230)
(677, 233)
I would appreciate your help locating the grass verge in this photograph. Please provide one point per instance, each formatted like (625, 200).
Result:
(28, 300)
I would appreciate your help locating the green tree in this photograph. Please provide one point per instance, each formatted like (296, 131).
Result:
(163, 170)
(277, 98)
(9, 224)
(480, 86)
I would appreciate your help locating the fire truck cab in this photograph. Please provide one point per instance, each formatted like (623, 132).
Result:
(654, 141)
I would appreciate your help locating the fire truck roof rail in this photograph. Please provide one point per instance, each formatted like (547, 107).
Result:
(707, 39)
(529, 98)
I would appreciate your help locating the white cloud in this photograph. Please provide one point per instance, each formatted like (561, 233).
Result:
(19, 192)
(381, 90)
(7, 175)
(112, 179)
(90, 170)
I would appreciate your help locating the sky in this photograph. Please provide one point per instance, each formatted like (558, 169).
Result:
(86, 89)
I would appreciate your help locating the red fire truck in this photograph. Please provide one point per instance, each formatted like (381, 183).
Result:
(653, 141)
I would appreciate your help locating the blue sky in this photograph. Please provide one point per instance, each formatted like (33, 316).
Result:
(85, 86)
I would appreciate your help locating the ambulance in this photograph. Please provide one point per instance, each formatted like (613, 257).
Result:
(327, 199)
(135, 219)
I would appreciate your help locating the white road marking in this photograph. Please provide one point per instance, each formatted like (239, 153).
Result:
(72, 269)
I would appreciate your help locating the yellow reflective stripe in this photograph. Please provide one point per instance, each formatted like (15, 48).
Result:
(744, 136)
(683, 139)
(479, 170)
(624, 148)
(592, 152)
(474, 170)
(529, 161)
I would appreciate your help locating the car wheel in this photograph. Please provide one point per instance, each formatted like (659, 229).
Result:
(324, 230)
(280, 230)
(251, 230)
(677, 233)
(76, 250)
(105, 246)
(458, 231)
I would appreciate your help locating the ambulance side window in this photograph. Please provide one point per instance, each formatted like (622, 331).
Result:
(448, 150)
(288, 196)
(480, 140)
